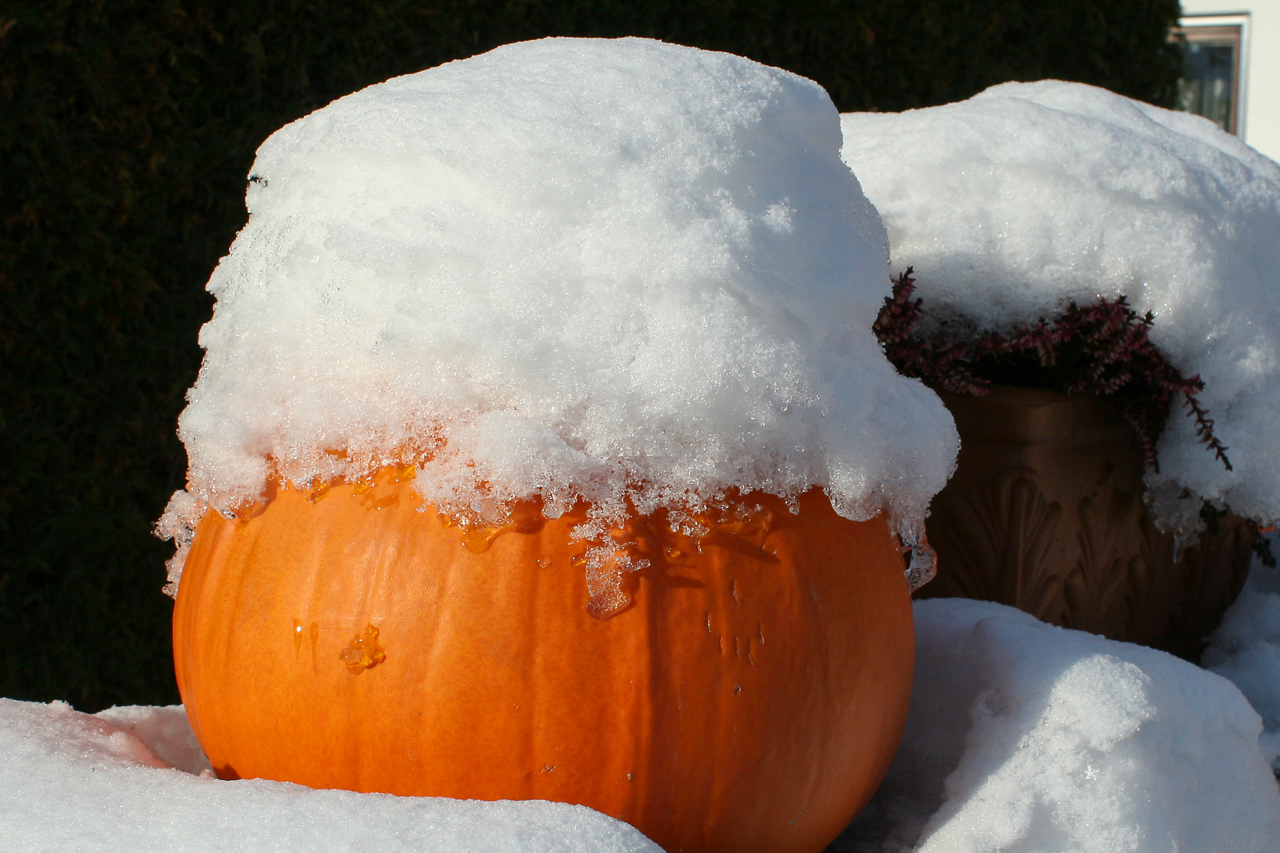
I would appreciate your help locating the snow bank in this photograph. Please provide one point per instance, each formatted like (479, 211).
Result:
(1023, 736)
(1246, 650)
(1029, 195)
(612, 270)
(72, 781)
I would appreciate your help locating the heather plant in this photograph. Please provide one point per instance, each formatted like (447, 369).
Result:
(1103, 349)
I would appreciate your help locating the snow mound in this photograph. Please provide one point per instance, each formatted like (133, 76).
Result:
(73, 781)
(1023, 736)
(1246, 650)
(1030, 195)
(621, 271)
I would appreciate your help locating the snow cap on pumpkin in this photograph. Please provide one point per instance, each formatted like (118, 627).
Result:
(613, 270)
(1030, 195)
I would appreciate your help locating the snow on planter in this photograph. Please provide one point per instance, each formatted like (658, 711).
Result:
(1030, 195)
(624, 272)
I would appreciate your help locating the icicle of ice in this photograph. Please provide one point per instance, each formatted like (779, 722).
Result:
(922, 565)
(1173, 508)
(178, 523)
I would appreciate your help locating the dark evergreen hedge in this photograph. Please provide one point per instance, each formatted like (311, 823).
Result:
(126, 130)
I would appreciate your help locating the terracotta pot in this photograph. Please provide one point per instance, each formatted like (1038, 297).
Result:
(1045, 513)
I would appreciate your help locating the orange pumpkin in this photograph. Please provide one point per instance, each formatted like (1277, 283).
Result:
(750, 698)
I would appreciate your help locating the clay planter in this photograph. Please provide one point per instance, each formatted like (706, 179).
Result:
(1045, 513)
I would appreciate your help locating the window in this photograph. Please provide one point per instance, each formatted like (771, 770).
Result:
(1213, 80)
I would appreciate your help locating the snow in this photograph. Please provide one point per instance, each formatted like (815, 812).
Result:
(122, 780)
(1246, 649)
(614, 270)
(1021, 737)
(640, 274)
(1028, 195)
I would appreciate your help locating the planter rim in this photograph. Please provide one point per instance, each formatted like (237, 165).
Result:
(1037, 416)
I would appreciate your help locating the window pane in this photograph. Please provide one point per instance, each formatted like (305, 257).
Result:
(1211, 73)
(1205, 88)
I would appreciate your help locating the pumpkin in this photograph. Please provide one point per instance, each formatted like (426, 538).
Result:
(748, 698)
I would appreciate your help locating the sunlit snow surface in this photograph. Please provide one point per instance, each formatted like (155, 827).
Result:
(1021, 737)
(1027, 737)
(1028, 195)
(75, 782)
(1246, 649)
(615, 270)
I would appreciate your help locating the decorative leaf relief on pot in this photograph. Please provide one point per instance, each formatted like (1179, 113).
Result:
(1109, 584)
(996, 543)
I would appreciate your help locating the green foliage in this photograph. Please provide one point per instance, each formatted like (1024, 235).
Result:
(126, 131)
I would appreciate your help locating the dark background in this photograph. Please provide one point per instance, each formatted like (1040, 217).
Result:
(127, 128)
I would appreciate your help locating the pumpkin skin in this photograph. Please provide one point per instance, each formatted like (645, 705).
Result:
(749, 699)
